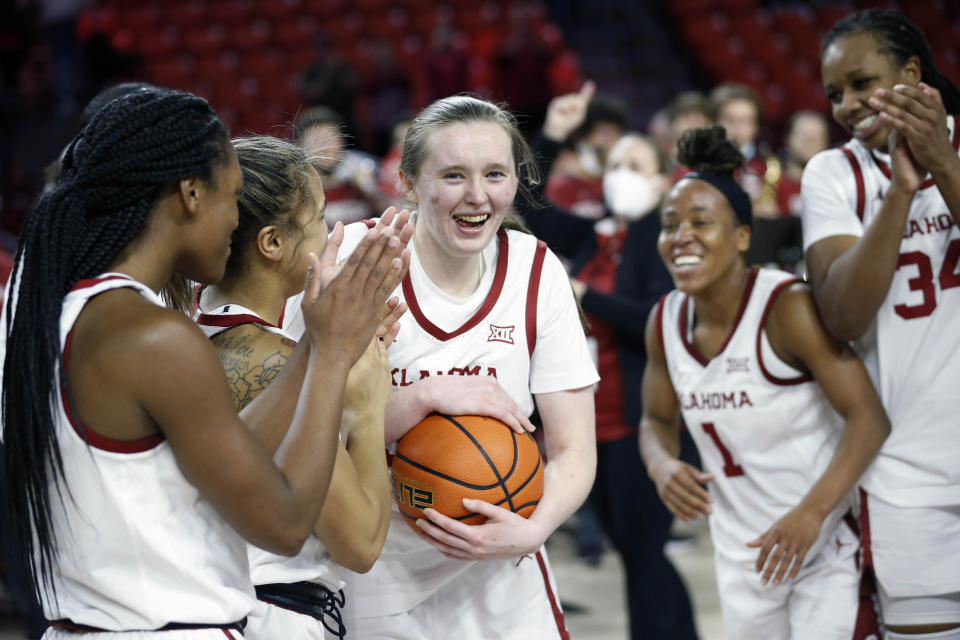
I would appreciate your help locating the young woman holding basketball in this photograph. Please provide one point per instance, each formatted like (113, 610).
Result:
(880, 234)
(136, 480)
(463, 162)
(281, 219)
(741, 356)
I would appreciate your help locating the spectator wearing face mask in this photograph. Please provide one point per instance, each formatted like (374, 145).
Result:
(575, 182)
(618, 278)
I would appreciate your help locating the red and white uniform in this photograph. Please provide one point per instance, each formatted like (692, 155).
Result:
(766, 433)
(908, 354)
(521, 326)
(312, 564)
(137, 546)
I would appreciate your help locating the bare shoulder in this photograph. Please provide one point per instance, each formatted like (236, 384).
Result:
(128, 354)
(795, 328)
(793, 306)
(252, 357)
(122, 321)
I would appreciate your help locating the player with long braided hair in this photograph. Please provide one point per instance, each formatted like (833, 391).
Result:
(133, 481)
(880, 234)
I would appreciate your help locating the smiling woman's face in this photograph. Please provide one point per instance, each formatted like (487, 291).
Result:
(465, 187)
(853, 68)
(701, 240)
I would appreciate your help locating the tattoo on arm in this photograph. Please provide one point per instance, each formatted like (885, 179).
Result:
(247, 374)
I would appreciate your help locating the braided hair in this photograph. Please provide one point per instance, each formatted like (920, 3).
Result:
(901, 39)
(132, 151)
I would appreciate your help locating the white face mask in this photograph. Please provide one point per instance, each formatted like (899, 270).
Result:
(589, 160)
(628, 194)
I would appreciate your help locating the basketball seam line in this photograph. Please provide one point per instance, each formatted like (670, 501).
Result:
(493, 467)
(443, 476)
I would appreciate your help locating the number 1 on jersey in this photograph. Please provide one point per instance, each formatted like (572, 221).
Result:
(730, 468)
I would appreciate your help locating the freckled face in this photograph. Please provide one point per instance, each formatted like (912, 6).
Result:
(465, 187)
(701, 240)
(853, 68)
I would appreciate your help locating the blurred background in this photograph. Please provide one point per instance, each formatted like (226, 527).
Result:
(344, 76)
(261, 63)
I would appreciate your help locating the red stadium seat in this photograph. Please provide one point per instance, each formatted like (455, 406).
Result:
(926, 15)
(299, 59)
(256, 35)
(828, 16)
(296, 34)
(154, 45)
(174, 73)
(775, 106)
(231, 12)
(692, 7)
(279, 11)
(204, 41)
(142, 19)
(186, 15)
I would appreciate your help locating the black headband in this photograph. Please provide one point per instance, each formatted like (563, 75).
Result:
(733, 192)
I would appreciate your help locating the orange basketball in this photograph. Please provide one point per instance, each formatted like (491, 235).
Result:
(447, 458)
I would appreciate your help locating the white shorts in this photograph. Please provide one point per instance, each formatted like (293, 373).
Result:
(270, 622)
(914, 551)
(822, 602)
(492, 600)
(53, 633)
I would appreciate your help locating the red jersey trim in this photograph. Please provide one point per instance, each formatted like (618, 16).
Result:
(866, 555)
(557, 613)
(929, 181)
(410, 297)
(867, 623)
(533, 292)
(786, 382)
(90, 282)
(691, 348)
(660, 305)
(858, 176)
(92, 437)
(234, 320)
(197, 292)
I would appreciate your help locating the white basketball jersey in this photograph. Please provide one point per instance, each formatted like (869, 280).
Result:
(909, 349)
(137, 546)
(763, 429)
(313, 563)
(520, 326)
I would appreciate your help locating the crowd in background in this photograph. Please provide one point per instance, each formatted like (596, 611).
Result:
(53, 59)
(56, 54)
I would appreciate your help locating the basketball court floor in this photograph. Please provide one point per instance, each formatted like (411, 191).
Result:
(598, 592)
(594, 594)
